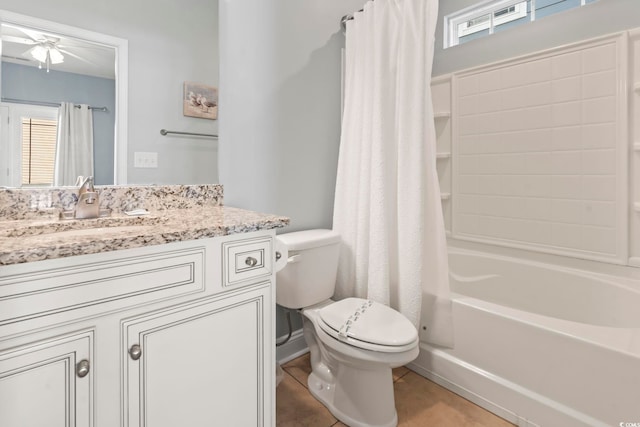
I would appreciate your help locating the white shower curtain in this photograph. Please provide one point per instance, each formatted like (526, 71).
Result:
(74, 144)
(387, 202)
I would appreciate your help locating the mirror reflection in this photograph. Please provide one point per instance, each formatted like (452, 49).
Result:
(58, 97)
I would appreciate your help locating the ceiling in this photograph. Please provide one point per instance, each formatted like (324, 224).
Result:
(80, 57)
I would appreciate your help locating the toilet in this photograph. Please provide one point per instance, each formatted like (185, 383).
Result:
(354, 343)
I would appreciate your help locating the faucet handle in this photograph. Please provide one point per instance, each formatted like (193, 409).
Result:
(86, 185)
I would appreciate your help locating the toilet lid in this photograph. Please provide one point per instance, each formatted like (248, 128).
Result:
(369, 325)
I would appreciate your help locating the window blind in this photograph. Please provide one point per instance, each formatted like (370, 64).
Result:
(38, 151)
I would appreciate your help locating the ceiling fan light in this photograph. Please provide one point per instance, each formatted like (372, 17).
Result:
(39, 53)
(56, 56)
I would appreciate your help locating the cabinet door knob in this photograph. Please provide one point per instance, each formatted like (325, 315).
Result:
(278, 255)
(135, 352)
(251, 261)
(82, 368)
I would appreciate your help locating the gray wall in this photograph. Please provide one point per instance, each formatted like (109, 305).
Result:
(31, 84)
(280, 91)
(280, 87)
(595, 19)
(280, 63)
(170, 42)
(280, 73)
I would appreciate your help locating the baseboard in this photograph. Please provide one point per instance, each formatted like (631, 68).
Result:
(295, 347)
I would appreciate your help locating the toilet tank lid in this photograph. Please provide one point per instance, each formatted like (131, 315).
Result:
(307, 239)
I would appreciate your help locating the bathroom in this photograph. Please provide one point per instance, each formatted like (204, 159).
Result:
(277, 66)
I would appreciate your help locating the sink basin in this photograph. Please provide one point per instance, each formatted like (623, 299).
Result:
(86, 226)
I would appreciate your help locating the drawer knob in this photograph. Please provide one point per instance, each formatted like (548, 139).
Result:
(82, 368)
(135, 352)
(251, 261)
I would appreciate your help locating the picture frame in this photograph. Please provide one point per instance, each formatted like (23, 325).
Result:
(200, 101)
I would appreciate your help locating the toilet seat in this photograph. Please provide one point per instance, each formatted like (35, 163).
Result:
(368, 325)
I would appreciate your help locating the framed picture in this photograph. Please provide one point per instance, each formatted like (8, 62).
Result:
(200, 101)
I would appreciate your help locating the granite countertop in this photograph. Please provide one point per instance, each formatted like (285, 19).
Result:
(40, 237)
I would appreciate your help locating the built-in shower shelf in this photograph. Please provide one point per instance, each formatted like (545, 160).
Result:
(445, 196)
(440, 156)
(636, 206)
(636, 146)
(442, 115)
(636, 87)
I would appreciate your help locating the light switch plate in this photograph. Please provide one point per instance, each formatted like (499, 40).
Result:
(143, 159)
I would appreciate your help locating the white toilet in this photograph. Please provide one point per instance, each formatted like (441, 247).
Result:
(354, 343)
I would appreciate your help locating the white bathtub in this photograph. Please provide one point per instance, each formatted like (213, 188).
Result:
(540, 344)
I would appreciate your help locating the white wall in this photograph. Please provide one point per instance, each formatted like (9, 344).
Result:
(595, 19)
(169, 42)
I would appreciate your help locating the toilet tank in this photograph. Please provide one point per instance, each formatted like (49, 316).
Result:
(310, 274)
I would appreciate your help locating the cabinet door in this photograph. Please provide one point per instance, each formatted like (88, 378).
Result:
(48, 383)
(201, 364)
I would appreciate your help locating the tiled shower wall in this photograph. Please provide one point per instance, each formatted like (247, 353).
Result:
(540, 152)
(634, 115)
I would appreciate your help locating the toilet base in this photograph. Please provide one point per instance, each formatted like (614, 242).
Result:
(355, 403)
(355, 384)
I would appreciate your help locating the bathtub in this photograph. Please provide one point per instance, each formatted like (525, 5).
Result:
(540, 344)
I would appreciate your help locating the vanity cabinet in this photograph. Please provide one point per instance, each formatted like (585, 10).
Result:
(202, 361)
(180, 334)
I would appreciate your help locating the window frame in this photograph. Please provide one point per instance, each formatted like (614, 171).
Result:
(16, 112)
(519, 12)
(482, 8)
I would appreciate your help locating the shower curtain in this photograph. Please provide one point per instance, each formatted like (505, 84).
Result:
(387, 203)
(74, 144)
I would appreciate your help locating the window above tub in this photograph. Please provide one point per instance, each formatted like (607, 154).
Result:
(488, 17)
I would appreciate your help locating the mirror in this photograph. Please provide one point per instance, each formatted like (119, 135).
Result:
(43, 65)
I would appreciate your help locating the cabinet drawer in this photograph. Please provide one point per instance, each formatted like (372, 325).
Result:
(40, 293)
(246, 259)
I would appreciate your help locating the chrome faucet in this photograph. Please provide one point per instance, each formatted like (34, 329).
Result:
(88, 203)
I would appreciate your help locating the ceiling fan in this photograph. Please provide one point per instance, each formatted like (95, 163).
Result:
(45, 49)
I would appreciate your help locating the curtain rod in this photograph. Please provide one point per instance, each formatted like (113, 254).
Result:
(347, 17)
(48, 104)
(206, 135)
(343, 22)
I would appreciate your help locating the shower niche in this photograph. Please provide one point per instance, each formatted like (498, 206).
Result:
(441, 98)
(634, 127)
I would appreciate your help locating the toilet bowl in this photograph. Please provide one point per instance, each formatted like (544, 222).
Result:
(354, 343)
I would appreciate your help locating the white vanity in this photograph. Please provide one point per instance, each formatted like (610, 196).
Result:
(174, 333)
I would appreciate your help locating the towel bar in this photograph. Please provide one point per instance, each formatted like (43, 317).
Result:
(206, 135)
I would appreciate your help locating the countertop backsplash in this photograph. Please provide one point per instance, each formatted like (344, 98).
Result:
(34, 203)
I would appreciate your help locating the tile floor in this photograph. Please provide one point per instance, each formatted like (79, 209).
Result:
(419, 402)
